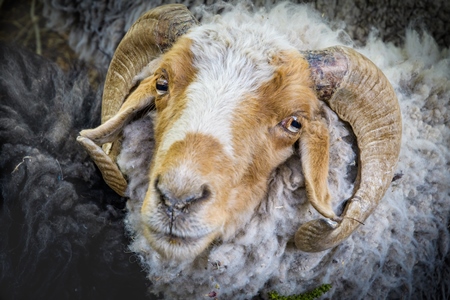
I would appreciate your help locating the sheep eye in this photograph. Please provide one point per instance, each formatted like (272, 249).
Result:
(292, 124)
(162, 85)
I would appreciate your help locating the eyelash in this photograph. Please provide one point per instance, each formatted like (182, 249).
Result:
(291, 124)
(162, 82)
(162, 85)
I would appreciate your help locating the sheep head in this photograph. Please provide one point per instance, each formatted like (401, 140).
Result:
(231, 105)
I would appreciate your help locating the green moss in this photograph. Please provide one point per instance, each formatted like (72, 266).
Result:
(314, 294)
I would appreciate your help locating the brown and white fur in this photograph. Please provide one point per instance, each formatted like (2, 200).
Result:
(221, 130)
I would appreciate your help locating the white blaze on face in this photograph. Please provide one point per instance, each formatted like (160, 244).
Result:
(227, 73)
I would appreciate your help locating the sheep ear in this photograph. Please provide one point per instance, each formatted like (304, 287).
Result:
(314, 147)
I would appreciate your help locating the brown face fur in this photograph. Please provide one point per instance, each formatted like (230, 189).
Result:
(198, 192)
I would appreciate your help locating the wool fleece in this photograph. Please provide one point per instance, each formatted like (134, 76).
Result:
(400, 251)
(61, 228)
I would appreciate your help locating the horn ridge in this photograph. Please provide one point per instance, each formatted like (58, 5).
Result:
(359, 93)
(152, 34)
(326, 82)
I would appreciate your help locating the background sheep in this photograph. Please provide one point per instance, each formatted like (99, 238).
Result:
(62, 232)
(95, 28)
(413, 261)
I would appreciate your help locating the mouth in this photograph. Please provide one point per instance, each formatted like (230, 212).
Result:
(176, 246)
(178, 235)
(176, 240)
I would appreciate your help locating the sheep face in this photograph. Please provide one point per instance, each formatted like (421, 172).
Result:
(227, 116)
(231, 102)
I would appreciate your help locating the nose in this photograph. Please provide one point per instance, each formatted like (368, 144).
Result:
(181, 198)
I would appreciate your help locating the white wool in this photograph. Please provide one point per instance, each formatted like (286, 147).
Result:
(398, 253)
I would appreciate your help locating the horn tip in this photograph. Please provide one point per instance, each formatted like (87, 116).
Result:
(318, 235)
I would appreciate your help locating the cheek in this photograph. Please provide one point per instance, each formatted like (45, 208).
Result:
(216, 213)
(281, 139)
(150, 203)
(275, 156)
(276, 147)
(283, 145)
(161, 103)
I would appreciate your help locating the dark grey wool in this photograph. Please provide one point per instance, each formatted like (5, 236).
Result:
(95, 28)
(62, 234)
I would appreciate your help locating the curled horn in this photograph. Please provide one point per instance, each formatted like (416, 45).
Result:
(151, 35)
(361, 95)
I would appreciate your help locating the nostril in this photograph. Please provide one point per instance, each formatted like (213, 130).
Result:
(166, 200)
(163, 196)
(180, 199)
(206, 193)
(203, 194)
(157, 183)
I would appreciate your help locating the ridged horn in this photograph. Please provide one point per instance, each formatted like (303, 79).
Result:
(361, 95)
(152, 34)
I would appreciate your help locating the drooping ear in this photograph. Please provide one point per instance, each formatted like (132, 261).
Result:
(314, 147)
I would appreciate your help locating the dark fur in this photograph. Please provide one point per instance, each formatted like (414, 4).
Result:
(62, 233)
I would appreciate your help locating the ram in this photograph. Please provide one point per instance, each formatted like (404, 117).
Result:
(232, 103)
(227, 226)
(234, 144)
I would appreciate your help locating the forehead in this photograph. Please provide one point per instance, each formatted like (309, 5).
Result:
(237, 55)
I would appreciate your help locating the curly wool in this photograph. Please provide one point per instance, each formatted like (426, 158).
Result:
(402, 250)
(62, 228)
(62, 232)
